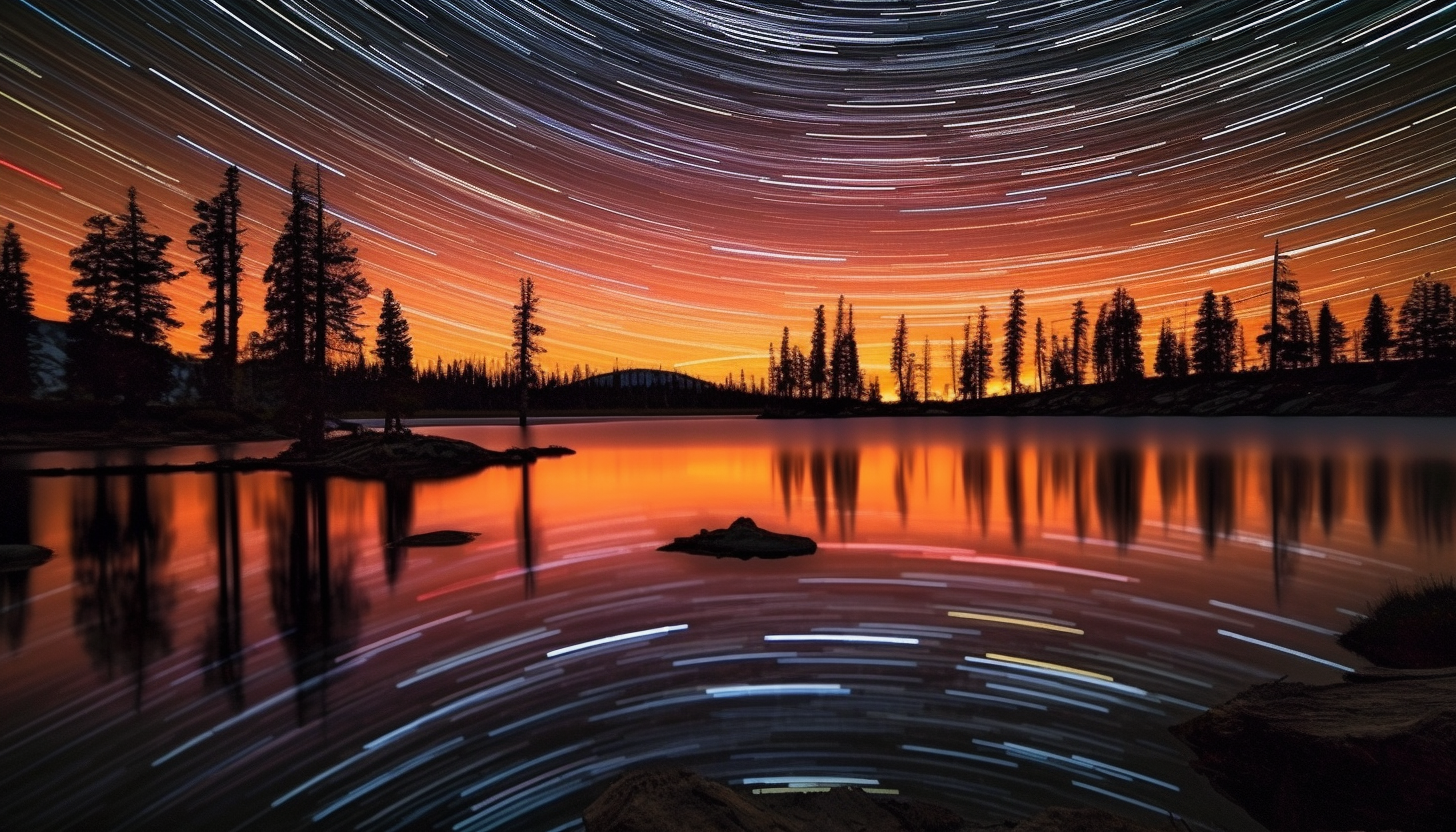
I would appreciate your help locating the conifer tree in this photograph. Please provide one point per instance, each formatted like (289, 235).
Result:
(925, 370)
(312, 302)
(817, 362)
(854, 385)
(1209, 340)
(120, 314)
(216, 239)
(967, 385)
(1298, 350)
(1379, 337)
(524, 332)
(1233, 333)
(1426, 327)
(1117, 339)
(787, 380)
(1283, 306)
(1330, 337)
(1079, 342)
(982, 355)
(1171, 359)
(837, 384)
(902, 362)
(1039, 357)
(395, 351)
(17, 307)
(1012, 349)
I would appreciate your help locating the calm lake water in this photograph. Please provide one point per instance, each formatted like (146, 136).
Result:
(1002, 615)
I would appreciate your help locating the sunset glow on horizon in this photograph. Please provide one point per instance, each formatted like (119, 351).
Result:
(684, 178)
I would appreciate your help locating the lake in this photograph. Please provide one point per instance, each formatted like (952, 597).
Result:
(1002, 615)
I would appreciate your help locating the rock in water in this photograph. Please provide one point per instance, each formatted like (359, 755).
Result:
(743, 539)
(17, 556)
(681, 801)
(444, 537)
(1321, 758)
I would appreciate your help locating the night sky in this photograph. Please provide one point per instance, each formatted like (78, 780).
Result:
(682, 178)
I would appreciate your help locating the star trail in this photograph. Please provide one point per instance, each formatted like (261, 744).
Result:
(683, 178)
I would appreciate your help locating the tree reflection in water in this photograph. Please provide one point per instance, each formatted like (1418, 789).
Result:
(845, 476)
(1119, 489)
(1429, 500)
(1015, 502)
(1291, 502)
(395, 521)
(222, 647)
(315, 601)
(1213, 486)
(1377, 497)
(123, 603)
(976, 479)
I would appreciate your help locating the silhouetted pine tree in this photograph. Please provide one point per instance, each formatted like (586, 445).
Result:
(1171, 359)
(837, 386)
(1012, 349)
(1039, 356)
(787, 381)
(1233, 333)
(396, 354)
(1283, 303)
(312, 302)
(925, 369)
(1426, 326)
(1079, 342)
(215, 238)
(1379, 336)
(1210, 342)
(1330, 337)
(524, 332)
(120, 314)
(17, 307)
(1298, 351)
(1059, 368)
(1117, 339)
(976, 364)
(853, 380)
(902, 362)
(817, 362)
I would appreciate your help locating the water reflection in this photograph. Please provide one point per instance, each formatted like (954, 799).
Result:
(316, 604)
(1377, 497)
(124, 599)
(458, 700)
(1119, 479)
(1430, 501)
(222, 646)
(1214, 482)
(396, 520)
(14, 528)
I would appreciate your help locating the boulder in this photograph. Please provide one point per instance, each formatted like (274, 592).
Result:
(743, 539)
(444, 537)
(15, 557)
(682, 801)
(1371, 754)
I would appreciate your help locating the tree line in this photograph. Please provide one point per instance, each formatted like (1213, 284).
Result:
(120, 315)
(1110, 348)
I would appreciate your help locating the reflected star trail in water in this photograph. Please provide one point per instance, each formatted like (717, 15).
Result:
(684, 177)
(938, 646)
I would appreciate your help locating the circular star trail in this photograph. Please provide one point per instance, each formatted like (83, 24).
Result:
(683, 178)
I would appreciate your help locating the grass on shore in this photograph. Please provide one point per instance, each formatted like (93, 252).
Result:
(1408, 628)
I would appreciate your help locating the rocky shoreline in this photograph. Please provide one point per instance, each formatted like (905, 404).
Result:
(366, 455)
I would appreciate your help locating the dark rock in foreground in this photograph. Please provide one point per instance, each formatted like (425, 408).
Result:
(18, 556)
(1408, 628)
(743, 539)
(681, 801)
(1366, 755)
(445, 537)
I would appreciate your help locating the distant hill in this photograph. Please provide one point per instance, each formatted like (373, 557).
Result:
(645, 378)
(48, 342)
